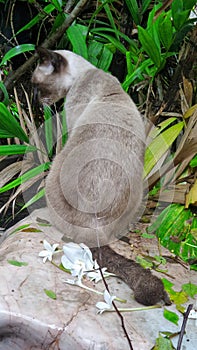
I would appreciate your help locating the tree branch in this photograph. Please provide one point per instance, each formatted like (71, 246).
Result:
(48, 43)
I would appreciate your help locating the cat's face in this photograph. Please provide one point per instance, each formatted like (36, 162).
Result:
(56, 72)
(49, 76)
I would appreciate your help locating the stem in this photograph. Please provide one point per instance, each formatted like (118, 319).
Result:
(131, 309)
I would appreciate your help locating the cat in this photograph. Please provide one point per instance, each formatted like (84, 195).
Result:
(94, 187)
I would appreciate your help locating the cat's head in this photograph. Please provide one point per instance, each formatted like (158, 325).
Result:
(56, 72)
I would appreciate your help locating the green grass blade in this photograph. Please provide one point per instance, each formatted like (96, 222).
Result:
(118, 45)
(161, 126)
(34, 199)
(17, 50)
(10, 124)
(46, 10)
(110, 17)
(149, 46)
(25, 177)
(145, 5)
(134, 10)
(9, 150)
(159, 146)
(48, 130)
(4, 90)
(137, 74)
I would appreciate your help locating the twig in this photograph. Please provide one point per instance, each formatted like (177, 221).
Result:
(117, 311)
(190, 306)
(48, 43)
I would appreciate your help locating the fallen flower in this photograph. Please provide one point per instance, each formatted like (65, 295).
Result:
(95, 275)
(108, 303)
(49, 251)
(77, 258)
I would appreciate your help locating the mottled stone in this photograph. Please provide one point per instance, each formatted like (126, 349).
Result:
(29, 319)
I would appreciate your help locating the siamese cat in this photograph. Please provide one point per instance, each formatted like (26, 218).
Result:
(94, 187)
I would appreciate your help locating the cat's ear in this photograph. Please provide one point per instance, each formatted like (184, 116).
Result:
(50, 61)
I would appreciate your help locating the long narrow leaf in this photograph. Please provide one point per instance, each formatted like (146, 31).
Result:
(149, 46)
(77, 36)
(160, 145)
(118, 45)
(46, 10)
(6, 96)
(10, 124)
(48, 129)
(110, 17)
(161, 126)
(134, 10)
(9, 150)
(25, 177)
(17, 50)
(34, 199)
(145, 5)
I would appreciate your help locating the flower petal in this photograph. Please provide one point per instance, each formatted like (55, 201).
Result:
(47, 245)
(73, 251)
(66, 262)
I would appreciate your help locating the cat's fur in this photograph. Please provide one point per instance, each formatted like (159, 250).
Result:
(94, 187)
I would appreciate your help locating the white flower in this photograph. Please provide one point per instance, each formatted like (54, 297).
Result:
(96, 274)
(48, 253)
(77, 258)
(108, 303)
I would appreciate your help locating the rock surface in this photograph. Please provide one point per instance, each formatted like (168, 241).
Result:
(29, 319)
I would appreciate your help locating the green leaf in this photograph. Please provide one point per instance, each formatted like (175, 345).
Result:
(34, 199)
(149, 46)
(118, 45)
(144, 263)
(110, 17)
(50, 294)
(9, 124)
(17, 263)
(163, 344)
(48, 125)
(17, 50)
(134, 10)
(166, 31)
(167, 284)
(138, 74)
(145, 5)
(77, 36)
(190, 289)
(25, 177)
(8, 150)
(189, 4)
(147, 235)
(46, 10)
(193, 162)
(171, 316)
(105, 59)
(160, 127)
(18, 229)
(57, 4)
(174, 233)
(159, 146)
(6, 96)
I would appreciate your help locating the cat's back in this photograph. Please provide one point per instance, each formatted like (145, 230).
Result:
(95, 184)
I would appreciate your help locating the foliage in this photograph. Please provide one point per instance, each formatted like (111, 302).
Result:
(176, 229)
(98, 36)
